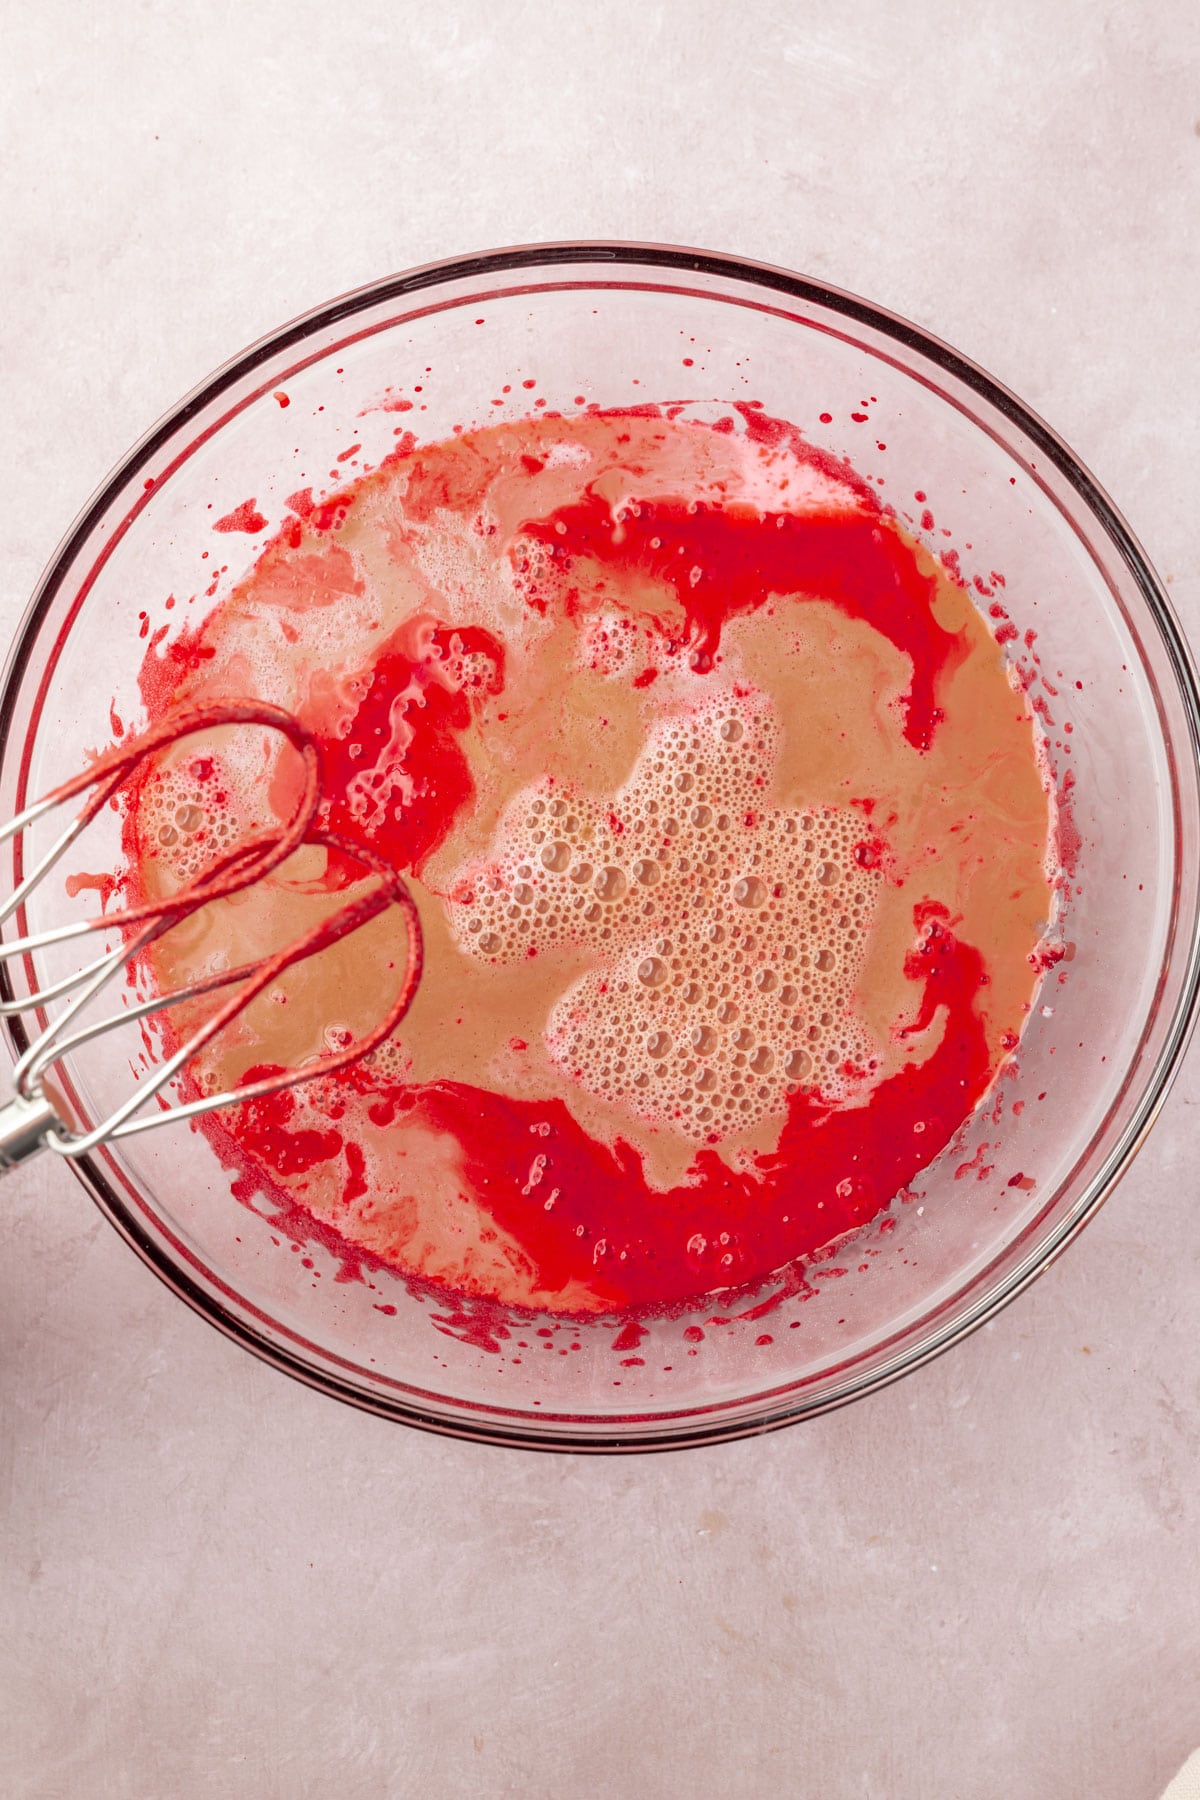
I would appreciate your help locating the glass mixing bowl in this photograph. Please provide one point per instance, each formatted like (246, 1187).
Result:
(977, 475)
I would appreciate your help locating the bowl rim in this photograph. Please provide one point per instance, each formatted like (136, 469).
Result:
(672, 1428)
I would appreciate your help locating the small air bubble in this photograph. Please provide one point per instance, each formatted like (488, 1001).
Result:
(749, 891)
(609, 883)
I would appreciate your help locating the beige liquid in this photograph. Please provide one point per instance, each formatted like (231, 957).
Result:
(647, 983)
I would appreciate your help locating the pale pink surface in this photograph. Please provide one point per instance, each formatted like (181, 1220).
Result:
(981, 1582)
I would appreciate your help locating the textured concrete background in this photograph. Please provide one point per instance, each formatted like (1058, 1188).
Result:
(981, 1583)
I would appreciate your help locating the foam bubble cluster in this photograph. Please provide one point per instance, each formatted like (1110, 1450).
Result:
(725, 937)
(189, 814)
(609, 643)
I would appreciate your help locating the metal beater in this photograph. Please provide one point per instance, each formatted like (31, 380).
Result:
(34, 1119)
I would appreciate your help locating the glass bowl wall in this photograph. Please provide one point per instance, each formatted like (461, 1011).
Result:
(973, 471)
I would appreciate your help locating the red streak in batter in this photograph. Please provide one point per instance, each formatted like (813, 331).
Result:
(722, 562)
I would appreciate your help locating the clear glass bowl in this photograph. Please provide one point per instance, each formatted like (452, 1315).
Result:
(621, 324)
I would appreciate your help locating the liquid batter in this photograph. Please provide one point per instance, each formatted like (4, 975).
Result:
(726, 826)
